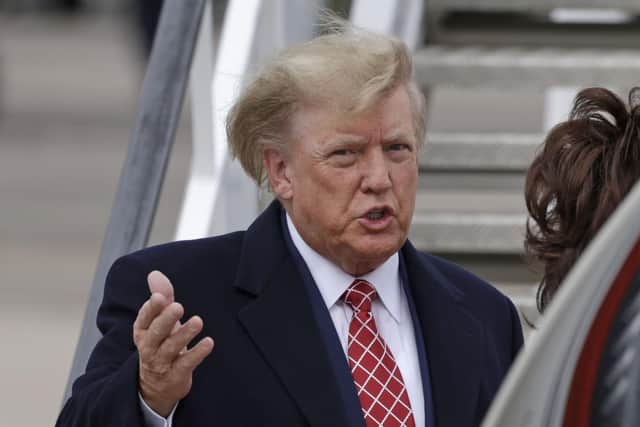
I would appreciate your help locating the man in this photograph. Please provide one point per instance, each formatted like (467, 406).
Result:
(322, 312)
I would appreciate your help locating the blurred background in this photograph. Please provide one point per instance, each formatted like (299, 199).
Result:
(497, 73)
(70, 76)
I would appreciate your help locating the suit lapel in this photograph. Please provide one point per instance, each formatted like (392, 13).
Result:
(281, 323)
(454, 342)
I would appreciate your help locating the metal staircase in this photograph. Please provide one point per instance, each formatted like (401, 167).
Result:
(470, 205)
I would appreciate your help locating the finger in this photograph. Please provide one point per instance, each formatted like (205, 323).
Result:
(158, 282)
(150, 310)
(175, 327)
(176, 342)
(190, 360)
(162, 325)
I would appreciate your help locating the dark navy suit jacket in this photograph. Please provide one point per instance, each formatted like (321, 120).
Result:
(275, 361)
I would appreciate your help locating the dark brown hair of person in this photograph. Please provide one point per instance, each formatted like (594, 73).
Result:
(582, 172)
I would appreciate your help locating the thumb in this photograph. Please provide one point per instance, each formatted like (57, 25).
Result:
(159, 283)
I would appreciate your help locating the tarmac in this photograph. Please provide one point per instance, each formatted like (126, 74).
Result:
(68, 92)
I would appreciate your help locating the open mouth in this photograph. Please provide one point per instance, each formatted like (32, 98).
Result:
(377, 214)
(377, 219)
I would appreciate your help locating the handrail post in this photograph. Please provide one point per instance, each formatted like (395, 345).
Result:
(147, 158)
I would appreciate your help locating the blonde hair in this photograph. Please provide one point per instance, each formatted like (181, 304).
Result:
(346, 68)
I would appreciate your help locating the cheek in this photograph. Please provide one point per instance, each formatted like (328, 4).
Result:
(406, 180)
(338, 188)
(406, 195)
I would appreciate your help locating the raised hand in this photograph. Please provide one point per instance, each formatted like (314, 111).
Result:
(166, 365)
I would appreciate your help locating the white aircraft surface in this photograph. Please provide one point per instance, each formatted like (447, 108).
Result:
(582, 366)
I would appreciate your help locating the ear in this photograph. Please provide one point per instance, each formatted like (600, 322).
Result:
(279, 173)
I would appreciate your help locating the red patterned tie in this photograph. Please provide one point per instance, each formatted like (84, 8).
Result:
(378, 380)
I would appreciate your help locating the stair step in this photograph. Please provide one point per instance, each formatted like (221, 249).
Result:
(469, 232)
(431, 201)
(520, 293)
(521, 67)
(479, 151)
(538, 5)
(471, 180)
(523, 297)
(497, 268)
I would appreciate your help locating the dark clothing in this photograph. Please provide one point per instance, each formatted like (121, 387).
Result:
(273, 363)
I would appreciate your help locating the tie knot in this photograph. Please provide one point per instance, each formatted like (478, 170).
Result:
(360, 295)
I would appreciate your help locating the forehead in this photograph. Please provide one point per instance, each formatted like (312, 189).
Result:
(388, 117)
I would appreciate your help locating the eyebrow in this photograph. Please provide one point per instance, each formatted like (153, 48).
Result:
(345, 139)
(398, 135)
(342, 140)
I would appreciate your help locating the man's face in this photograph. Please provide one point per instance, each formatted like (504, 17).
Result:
(349, 181)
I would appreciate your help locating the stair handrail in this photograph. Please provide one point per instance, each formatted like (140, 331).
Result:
(144, 169)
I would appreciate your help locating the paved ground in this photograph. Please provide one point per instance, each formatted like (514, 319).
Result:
(67, 102)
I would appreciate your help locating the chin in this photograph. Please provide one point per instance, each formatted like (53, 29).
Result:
(390, 242)
(379, 252)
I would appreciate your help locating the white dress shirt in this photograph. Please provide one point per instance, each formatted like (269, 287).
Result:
(153, 419)
(390, 311)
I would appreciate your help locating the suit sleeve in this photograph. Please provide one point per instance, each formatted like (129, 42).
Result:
(106, 395)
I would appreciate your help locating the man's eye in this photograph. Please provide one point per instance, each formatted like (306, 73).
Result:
(398, 147)
(343, 152)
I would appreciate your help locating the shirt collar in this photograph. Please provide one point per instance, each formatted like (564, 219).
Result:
(333, 281)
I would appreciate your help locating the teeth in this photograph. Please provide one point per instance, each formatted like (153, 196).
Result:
(375, 215)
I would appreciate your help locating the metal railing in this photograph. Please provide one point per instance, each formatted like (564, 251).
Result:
(219, 196)
(143, 173)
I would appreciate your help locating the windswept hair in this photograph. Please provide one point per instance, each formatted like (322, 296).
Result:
(585, 168)
(346, 69)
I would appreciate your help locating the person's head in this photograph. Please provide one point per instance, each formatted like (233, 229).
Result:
(585, 168)
(334, 125)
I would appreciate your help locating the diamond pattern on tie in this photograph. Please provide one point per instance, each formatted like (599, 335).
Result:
(378, 380)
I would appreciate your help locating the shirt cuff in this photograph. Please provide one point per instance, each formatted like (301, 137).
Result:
(151, 418)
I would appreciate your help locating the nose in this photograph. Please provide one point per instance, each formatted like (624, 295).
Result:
(376, 174)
